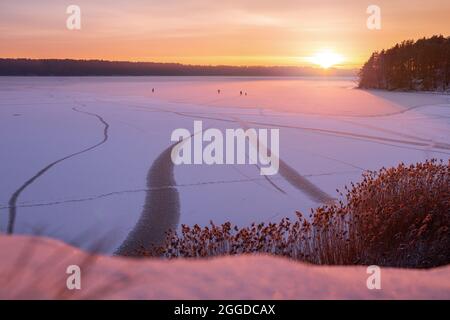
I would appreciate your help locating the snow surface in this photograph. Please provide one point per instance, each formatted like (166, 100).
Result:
(35, 268)
(329, 133)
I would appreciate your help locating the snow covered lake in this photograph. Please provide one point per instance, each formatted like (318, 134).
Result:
(82, 159)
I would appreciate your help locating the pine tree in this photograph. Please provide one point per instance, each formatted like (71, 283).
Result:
(420, 65)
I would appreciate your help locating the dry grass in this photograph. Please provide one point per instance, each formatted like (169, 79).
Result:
(396, 217)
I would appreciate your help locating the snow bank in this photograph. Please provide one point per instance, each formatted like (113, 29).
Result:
(32, 267)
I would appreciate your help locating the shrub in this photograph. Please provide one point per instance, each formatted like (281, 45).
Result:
(397, 217)
(401, 216)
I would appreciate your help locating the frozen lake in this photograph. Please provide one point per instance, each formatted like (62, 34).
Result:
(77, 152)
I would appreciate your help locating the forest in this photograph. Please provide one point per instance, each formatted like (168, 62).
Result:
(71, 67)
(422, 65)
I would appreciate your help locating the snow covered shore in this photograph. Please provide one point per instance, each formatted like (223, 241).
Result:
(35, 268)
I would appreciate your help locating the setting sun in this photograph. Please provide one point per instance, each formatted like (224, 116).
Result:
(326, 59)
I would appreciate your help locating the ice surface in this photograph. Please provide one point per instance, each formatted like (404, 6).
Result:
(329, 133)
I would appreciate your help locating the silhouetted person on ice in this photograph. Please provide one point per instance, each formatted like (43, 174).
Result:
(218, 91)
(153, 90)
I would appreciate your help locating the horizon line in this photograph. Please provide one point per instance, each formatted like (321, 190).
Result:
(335, 67)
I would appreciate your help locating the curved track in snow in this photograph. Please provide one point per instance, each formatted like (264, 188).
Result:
(161, 210)
(12, 203)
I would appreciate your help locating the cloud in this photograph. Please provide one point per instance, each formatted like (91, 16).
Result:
(183, 28)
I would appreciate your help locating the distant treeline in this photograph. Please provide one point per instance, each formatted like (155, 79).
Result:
(69, 67)
(420, 65)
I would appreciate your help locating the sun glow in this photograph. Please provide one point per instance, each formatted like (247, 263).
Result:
(326, 59)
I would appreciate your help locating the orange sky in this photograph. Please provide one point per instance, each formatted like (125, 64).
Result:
(244, 32)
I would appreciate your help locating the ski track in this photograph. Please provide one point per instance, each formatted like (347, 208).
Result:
(293, 177)
(12, 203)
(406, 144)
(357, 136)
(161, 211)
(430, 142)
(286, 171)
(296, 179)
(332, 115)
(31, 204)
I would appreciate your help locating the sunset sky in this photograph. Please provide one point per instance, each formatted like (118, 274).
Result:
(245, 32)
